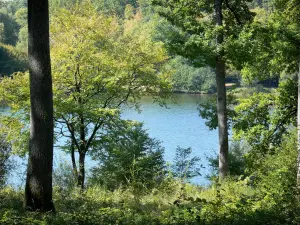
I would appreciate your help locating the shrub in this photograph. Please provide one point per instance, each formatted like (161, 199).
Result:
(185, 167)
(128, 157)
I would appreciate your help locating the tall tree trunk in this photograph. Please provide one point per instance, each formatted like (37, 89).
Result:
(75, 172)
(82, 153)
(38, 190)
(81, 173)
(221, 94)
(298, 128)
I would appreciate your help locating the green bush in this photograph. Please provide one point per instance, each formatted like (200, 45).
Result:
(128, 157)
(185, 167)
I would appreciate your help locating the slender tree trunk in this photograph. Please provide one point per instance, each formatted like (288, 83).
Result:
(221, 95)
(81, 174)
(38, 190)
(82, 153)
(298, 128)
(75, 171)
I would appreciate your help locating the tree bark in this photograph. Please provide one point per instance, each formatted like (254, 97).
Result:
(75, 172)
(221, 94)
(38, 190)
(81, 174)
(82, 153)
(298, 129)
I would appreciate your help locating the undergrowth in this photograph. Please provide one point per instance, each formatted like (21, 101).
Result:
(229, 202)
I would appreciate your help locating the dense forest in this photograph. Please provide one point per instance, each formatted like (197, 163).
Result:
(68, 68)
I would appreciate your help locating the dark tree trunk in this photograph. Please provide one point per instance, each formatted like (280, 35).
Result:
(75, 172)
(38, 190)
(221, 95)
(81, 174)
(82, 153)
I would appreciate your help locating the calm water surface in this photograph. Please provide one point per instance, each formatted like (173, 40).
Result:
(177, 125)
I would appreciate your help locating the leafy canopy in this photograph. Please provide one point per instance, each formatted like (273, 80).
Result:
(98, 64)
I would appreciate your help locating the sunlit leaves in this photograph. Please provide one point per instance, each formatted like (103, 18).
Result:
(98, 64)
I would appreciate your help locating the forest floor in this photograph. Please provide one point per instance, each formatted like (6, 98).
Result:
(232, 202)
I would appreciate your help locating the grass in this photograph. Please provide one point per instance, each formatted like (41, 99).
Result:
(232, 202)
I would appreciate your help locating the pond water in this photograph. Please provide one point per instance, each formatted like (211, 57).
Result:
(177, 125)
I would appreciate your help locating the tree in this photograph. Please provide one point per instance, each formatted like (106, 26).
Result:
(271, 46)
(9, 29)
(116, 7)
(290, 9)
(185, 167)
(221, 91)
(38, 190)
(187, 78)
(288, 12)
(202, 35)
(21, 18)
(98, 65)
(263, 119)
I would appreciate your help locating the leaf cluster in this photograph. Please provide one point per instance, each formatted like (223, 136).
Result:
(127, 156)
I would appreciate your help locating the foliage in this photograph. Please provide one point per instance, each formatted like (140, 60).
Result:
(267, 197)
(268, 200)
(11, 7)
(114, 63)
(116, 7)
(98, 64)
(107, 7)
(276, 176)
(208, 111)
(264, 118)
(268, 46)
(104, 60)
(193, 36)
(236, 160)
(9, 31)
(5, 162)
(63, 176)
(11, 60)
(259, 119)
(15, 116)
(187, 78)
(128, 157)
(21, 19)
(185, 167)
(97, 67)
